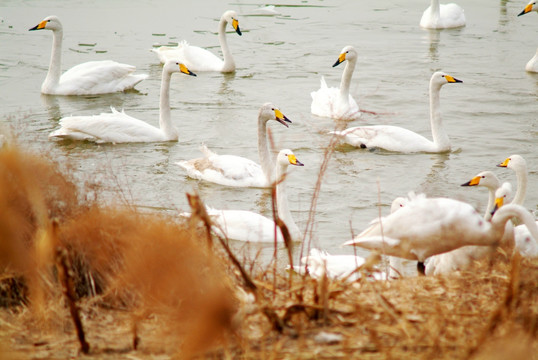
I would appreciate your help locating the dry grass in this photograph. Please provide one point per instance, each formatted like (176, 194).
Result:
(148, 286)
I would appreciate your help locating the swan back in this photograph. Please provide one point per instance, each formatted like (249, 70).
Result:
(442, 16)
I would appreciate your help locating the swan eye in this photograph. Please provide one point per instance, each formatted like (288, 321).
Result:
(483, 176)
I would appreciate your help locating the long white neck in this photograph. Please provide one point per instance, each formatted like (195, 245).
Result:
(491, 204)
(346, 81)
(435, 9)
(521, 190)
(229, 63)
(440, 137)
(165, 119)
(266, 160)
(55, 66)
(282, 202)
(509, 211)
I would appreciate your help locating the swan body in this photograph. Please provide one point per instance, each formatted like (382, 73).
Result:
(461, 258)
(525, 243)
(394, 138)
(89, 78)
(442, 16)
(250, 226)
(231, 170)
(333, 102)
(118, 127)
(430, 226)
(532, 65)
(199, 59)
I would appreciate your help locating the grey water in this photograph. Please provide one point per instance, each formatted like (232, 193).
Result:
(281, 58)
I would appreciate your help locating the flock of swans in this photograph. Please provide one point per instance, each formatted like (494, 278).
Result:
(442, 234)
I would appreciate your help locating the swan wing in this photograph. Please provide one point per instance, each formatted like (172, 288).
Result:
(194, 57)
(245, 225)
(326, 103)
(115, 127)
(388, 137)
(98, 77)
(450, 16)
(229, 170)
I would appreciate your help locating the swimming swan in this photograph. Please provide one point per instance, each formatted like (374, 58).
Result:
(118, 127)
(245, 225)
(231, 170)
(394, 138)
(442, 16)
(333, 102)
(199, 59)
(428, 226)
(89, 78)
(532, 65)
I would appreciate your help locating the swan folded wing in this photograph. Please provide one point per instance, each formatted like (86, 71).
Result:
(97, 77)
(245, 226)
(452, 15)
(115, 127)
(200, 59)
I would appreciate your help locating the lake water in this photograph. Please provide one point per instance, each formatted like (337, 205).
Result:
(280, 59)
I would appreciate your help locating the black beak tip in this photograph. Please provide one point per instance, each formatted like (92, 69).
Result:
(466, 184)
(521, 13)
(336, 63)
(238, 31)
(34, 28)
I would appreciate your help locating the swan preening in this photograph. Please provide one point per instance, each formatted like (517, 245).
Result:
(199, 59)
(118, 127)
(89, 78)
(394, 138)
(245, 225)
(333, 102)
(428, 226)
(442, 16)
(231, 170)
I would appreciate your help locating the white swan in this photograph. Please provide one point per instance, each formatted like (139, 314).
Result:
(199, 59)
(394, 138)
(492, 183)
(118, 127)
(231, 170)
(333, 102)
(524, 242)
(461, 258)
(245, 225)
(89, 78)
(430, 226)
(518, 164)
(532, 65)
(442, 16)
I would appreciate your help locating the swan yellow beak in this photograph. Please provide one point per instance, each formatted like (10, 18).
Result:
(281, 118)
(527, 9)
(473, 182)
(184, 70)
(451, 79)
(499, 202)
(340, 60)
(504, 163)
(293, 160)
(39, 26)
(235, 24)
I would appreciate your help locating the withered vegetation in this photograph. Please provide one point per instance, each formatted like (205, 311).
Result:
(77, 275)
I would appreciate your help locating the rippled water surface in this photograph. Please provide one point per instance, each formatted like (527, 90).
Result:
(489, 117)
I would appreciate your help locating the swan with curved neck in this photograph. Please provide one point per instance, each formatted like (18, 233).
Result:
(394, 138)
(231, 170)
(426, 227)
(118, 127)
(89, 78)
(337, 103)
(250, 226)
(442, 16)
(519, 166)
(199, 59)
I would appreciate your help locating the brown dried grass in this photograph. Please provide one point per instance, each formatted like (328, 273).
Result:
(148, 286)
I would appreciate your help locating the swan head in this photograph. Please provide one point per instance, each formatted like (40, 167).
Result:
(49, 23)
(514, 162)
(528, 8)
(440, 78)
(287, 157)
(230, 17)
(172, 66)
(269, 111)
(398, 203)
(348, 53)
(501, 194)
(485, 178)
